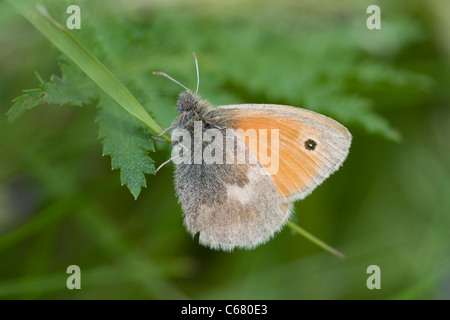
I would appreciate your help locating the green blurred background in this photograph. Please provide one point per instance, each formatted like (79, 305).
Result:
(389, 205)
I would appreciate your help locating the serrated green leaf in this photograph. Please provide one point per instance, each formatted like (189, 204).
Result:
(128, 144)
(72, 88)
(124, 138)
(31, 99)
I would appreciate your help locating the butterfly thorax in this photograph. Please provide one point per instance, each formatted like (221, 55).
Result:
(192, 108)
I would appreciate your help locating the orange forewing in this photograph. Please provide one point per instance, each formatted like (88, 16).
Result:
(296, 168)
(300, 170)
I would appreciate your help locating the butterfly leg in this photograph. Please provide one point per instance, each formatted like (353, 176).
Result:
(172, 158)
(166, 162)
(174, 124)
(157, 138)
(166, 129)
(217, 127)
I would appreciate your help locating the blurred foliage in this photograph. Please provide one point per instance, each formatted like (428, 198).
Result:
(60, 204)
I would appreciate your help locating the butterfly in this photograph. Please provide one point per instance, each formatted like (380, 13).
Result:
(242, 204)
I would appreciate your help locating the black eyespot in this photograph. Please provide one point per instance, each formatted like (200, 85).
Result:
(310, 144)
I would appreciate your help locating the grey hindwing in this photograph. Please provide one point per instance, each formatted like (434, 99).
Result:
(230, 205)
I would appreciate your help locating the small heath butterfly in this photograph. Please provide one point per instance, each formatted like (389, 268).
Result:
(239, 168)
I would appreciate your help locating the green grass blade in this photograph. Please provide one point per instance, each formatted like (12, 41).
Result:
(40, 18)
(314, 239)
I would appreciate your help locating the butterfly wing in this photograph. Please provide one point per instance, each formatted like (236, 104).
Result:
(230, 205)
(310, 148)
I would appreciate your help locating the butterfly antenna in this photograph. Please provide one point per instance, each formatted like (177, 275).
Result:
(198, 74)
(159, 73)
